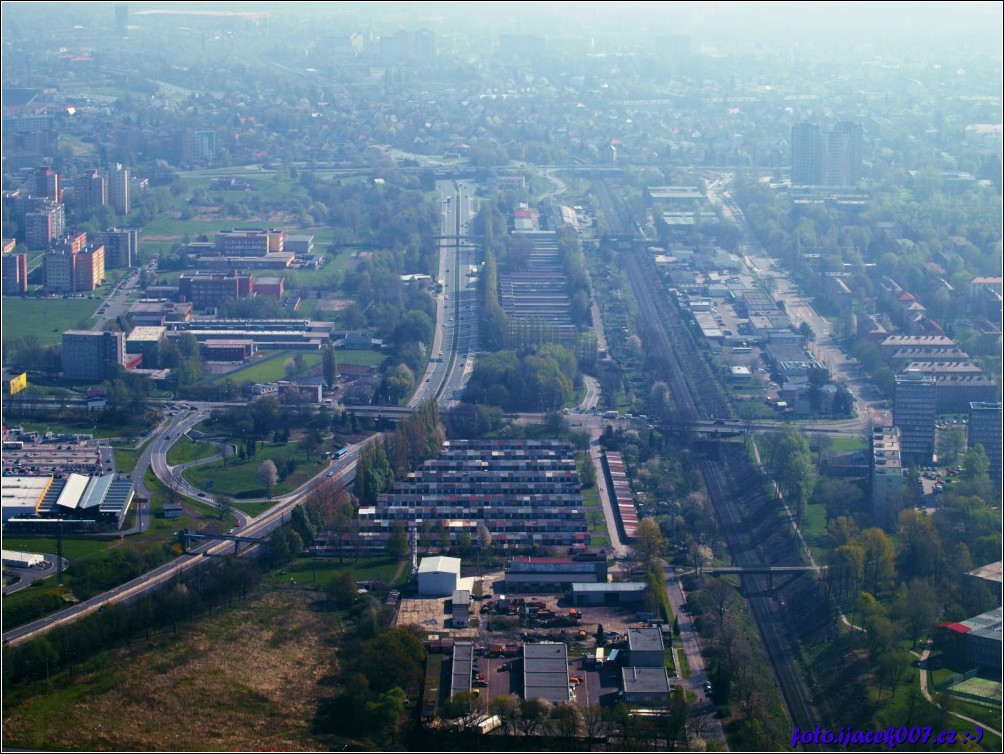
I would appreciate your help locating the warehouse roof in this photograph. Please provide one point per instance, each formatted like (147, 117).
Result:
(616, 586)
(545, 671)
(439, 563)
(645, 680)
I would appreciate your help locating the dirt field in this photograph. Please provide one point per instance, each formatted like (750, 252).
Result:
(247, 680)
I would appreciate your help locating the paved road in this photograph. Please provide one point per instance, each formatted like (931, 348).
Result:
(800, 309)
(689, 641)
(592, 397)
(456, 327)
(259, 528)
(28, 576)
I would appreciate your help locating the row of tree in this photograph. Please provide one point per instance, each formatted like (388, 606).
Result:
(390, 457)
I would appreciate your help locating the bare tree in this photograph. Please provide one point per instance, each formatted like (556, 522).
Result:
(595, 724)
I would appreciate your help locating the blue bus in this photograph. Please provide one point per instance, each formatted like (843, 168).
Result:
(341, 453)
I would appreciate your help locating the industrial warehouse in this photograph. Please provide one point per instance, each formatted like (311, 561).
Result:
(39, 504)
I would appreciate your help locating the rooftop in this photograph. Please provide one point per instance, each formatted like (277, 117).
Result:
(439, 563)
(645, 680)
(23, 491)
(991, 572)
(645, 640)
(617, 586)
(154, 334)
(545, 671)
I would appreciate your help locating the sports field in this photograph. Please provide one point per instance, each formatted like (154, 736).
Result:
(981, 687)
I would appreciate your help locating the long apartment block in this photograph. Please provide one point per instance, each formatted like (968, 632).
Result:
(526, 492)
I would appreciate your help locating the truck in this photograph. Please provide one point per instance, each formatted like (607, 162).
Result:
(598, 658)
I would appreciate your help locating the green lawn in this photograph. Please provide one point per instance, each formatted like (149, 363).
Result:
(847, 444)
(185, 451)
(252, 509)
(126, 459)
(239, 478)
(46, 318)
(814, 530)
(72, 548)
(360, 358)
(85, 426)
(307, 308)
(302, 570)
(268, 366)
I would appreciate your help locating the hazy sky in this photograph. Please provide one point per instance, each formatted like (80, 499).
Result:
(929, 26)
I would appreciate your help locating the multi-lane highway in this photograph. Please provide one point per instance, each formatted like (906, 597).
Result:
(454, 345)
(455, 340)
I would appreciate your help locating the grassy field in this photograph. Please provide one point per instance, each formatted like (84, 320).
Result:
(252, 509)
(814, 530)
(245, 679)
(72, 548)
(239, 478)
(85, 426)
(46, 318)
(126, 459)
(186, 451)
(600, 537)
(319, 571)
(847, 444)
(271, 366)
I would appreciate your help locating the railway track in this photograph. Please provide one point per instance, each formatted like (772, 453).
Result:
(666, 334)
(770, 619)
(699, 397)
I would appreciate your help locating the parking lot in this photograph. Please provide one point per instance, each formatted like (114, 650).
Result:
(43, 459)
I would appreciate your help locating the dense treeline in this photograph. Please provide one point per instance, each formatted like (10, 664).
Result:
(214, 585)
(418, 437)
(543, 380)
(739, 669)
(393, 214)
(928, 557)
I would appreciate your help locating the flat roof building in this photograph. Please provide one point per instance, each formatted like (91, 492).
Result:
(645, 648)
(648, 686)
(526, 492)
(463, 667)
(22, 495)
(461, 608)
(545, 671)
(914, 413)
(985, 428)
(976, 641)
(249, 242)
(92, 356)
(616, 593)
(525, 573)
(886, 475)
